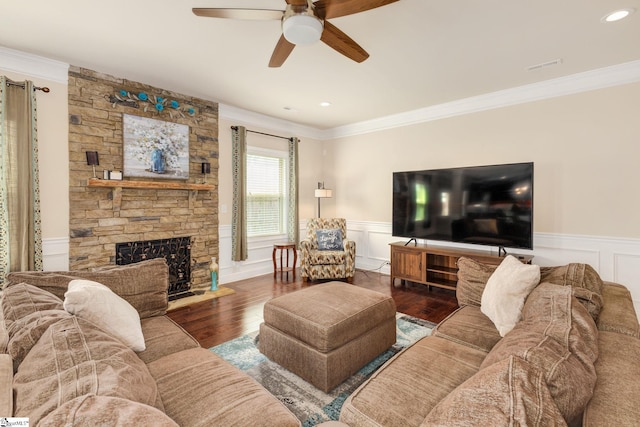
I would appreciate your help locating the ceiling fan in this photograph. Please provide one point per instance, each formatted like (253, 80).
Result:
(305, 22)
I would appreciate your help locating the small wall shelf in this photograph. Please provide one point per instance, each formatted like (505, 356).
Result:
(153, 185)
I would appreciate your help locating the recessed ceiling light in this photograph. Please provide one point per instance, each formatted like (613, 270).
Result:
(325, 104)
(617, 15)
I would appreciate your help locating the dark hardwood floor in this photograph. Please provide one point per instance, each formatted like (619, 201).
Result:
(216, 321)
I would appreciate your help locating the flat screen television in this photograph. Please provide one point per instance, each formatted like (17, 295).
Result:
(484, 205)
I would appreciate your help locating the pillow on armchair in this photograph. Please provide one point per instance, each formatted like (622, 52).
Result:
(329, 240)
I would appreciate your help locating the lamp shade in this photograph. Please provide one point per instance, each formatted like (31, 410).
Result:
(302, 29)
(323, 193)
(92, 158)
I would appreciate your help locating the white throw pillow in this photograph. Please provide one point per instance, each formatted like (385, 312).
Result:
(98, 304)
(507, 289)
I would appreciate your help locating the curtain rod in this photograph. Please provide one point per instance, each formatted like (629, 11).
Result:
(262, 133)
(44, 89)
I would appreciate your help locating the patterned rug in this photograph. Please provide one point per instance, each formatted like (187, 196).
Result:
(311, 405)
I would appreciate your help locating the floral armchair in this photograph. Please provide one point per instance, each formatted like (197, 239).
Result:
(326, 253)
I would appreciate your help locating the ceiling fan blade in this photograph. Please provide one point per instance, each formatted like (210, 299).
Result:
(342, 43)
(327, 9)
(281, 52)
(251, 14)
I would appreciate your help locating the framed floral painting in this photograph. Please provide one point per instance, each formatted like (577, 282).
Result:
(155, 148)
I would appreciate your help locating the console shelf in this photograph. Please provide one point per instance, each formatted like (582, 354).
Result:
(434, 265)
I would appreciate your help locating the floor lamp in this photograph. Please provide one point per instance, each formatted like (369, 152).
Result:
(322, 193)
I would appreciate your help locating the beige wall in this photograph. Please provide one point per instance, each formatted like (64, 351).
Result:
(53, 126)
(310, 157)
(586, 149)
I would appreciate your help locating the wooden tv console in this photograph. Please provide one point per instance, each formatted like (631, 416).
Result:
(435, 265)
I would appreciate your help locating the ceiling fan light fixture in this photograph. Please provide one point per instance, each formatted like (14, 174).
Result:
(301, 29)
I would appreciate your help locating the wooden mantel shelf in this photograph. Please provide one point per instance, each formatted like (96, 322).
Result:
(156, 185)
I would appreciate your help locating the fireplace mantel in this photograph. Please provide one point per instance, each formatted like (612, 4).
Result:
(154, 185)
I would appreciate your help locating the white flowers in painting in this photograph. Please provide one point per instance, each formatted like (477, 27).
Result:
(155, 148)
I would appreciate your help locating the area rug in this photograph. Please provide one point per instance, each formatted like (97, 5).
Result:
(207, 295)
(311, 405)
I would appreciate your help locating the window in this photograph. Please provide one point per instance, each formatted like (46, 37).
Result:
(266, 192)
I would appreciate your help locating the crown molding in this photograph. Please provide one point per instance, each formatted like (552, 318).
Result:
(34, 66)
(616, 75)
(601, 78)
(245, 117)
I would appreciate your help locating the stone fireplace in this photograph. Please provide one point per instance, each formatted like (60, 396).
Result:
(104, 215)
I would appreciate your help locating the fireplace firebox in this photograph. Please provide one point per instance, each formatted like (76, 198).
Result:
(177, 252)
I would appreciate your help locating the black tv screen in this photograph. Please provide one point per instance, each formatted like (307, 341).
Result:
(485, 205)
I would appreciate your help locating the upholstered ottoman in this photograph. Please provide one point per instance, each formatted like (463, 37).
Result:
(327, 332)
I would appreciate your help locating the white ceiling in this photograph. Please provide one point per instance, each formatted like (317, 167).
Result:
(423, 52)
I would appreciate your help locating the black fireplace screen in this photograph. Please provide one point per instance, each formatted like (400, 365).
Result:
(176, 250)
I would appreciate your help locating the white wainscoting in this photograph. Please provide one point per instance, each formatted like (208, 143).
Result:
(615, 259)
(55, 254)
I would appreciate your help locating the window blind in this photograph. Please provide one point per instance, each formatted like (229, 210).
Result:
(266, 195)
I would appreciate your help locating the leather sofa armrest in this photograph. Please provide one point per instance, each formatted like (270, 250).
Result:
(6, 385)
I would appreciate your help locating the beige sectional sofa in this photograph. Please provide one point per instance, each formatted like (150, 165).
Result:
(62, 369)
(570, 360)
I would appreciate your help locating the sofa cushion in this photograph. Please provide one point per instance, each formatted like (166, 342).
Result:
(618, 313)
(91, 411)
(317, 257)
(98, 304)
(584, 280)
(405, 389)
(511, 392)
(557, 336)
(28, 312)
(574, 274)
(506, 290)
(163, 336)
(6, 379)
(4, 338)
(469, 326)
(472, 278)
(198, 388)
(25, 332)
(144, 284)
(615, 397)
(73, 358)
(22, 299)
